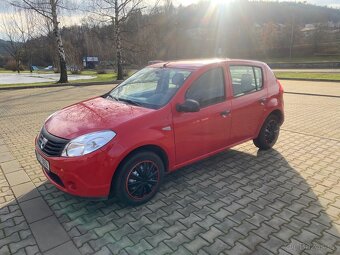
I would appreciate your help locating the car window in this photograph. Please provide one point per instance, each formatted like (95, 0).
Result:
(258, 77)
(209, 88)
(150, 87)
(246, 79)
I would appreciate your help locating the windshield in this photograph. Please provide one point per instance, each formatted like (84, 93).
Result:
(150, 87)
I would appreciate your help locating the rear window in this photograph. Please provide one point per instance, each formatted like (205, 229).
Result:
(246, 79)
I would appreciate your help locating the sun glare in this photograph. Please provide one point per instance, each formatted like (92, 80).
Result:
(214, 6)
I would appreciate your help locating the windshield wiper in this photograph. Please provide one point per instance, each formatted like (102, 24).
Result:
(112, 97)
(129, 101)
(119, 99)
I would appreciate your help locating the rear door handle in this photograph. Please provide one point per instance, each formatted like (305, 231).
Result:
(262, 100)
(225, 113)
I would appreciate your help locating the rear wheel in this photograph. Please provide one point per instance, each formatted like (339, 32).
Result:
(269, 133)
(138, 178)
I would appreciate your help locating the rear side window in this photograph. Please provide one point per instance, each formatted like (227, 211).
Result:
(209, 88)
(246, 79)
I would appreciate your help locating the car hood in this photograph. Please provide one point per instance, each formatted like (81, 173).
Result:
(90, 116)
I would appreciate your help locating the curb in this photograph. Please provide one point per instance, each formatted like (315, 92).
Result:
(311, 94)
(316, 80)
(62, 85)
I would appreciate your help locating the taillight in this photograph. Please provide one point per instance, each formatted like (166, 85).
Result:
(280, 86)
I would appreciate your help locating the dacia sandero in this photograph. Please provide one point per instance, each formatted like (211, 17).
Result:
(163, 117)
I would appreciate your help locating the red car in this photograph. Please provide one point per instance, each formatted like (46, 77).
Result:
(162, 118)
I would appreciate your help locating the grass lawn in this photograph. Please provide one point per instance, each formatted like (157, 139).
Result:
(308, 76)
(303, 59)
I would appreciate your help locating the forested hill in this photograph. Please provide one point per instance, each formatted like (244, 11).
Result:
(282, 12)
(2, 47)
(264, 12)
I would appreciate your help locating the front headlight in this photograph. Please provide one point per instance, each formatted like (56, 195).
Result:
(88, 143)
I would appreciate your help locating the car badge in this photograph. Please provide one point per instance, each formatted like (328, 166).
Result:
(43, 143)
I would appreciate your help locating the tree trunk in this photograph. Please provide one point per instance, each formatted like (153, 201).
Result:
(18, 65)
(118, 44)
(61, 52)
(291, 43)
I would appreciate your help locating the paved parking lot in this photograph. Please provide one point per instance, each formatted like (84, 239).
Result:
(242, 201)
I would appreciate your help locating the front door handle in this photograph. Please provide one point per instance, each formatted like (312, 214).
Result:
(225, 113)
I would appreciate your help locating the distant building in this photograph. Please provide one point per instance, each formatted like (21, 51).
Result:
(90, 62)
(309, 29)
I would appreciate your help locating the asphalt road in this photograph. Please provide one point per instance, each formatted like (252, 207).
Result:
(15, 78)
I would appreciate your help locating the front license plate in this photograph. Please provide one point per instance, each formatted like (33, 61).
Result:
(45, 164)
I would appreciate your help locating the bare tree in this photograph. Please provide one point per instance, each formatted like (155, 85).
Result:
(18, 30)
(49, 9)
(116, 12)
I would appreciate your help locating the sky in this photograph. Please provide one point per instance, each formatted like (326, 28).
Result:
(330, 3)
(70, 19)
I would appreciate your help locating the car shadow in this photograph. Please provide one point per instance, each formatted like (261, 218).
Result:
(246, 201)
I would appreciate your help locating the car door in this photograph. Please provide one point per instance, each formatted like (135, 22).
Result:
(205, 131)
(248, 103)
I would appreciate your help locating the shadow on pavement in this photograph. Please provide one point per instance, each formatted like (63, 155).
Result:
(233, 202)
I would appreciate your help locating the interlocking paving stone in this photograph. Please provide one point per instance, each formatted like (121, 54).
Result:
(156, 239)
(196, 244)
(35, 209)
(161, 249)
(138, 248)
(216, 247)
(49, 233)
(116, 247)
(4, 250)
(239, 249)
(280, 201)
(176, 241)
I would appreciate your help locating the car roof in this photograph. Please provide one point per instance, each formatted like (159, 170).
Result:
(194, 64)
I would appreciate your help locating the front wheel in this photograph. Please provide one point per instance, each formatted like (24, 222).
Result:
(138, 178)
(269, 133)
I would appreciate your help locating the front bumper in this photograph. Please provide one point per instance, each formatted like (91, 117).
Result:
(87, 176)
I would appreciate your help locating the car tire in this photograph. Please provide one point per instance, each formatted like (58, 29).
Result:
(138, 178)
(269, 133)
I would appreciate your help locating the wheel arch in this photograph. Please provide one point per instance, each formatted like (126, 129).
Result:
(149, 147)
(277, 112)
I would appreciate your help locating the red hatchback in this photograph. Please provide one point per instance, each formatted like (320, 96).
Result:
(163, 117)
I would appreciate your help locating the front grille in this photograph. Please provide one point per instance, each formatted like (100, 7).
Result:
(51, 145)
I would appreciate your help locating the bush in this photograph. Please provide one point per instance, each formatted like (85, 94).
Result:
(12, 65)
(75, 70)
(101, 69)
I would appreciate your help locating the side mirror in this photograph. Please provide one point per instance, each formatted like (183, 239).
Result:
(189, 105)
